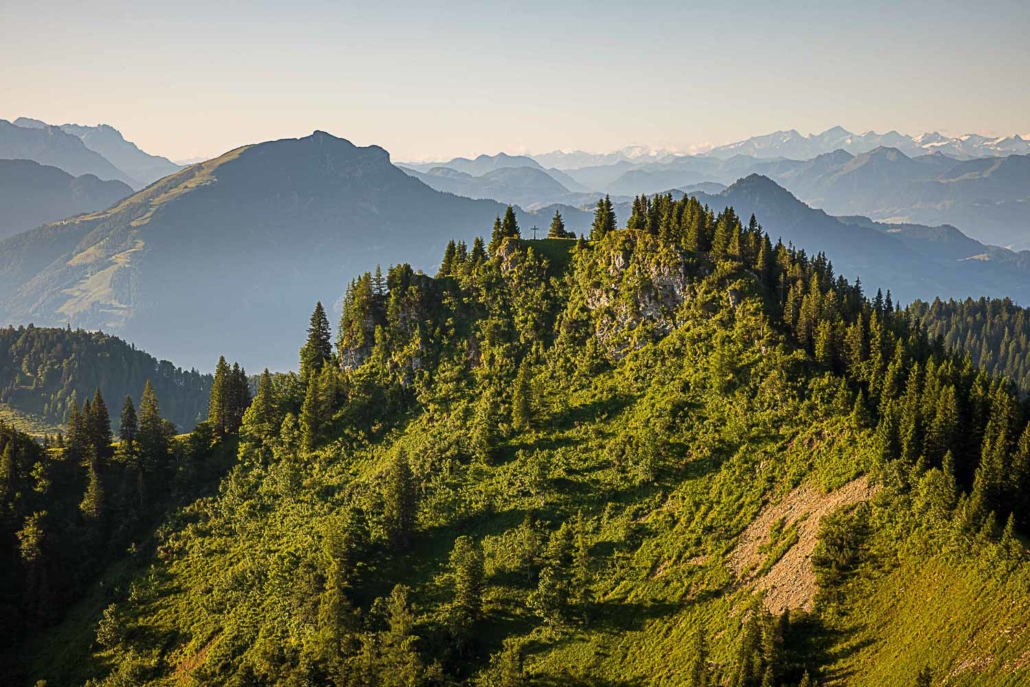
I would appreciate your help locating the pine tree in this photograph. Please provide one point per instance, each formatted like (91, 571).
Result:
(239, 398)
(604, 219)
(522, 399)
(99, 422)
(318, 349)
(92, 505)
(152, 437)
(261, 419)
(8, 475)
(582, 577)
(218, 406)
(509, 226)
(467, 574)
(128, 425)
(400, 505)
(478, 254)
(316, 413)
(557, 230)
(447, 264)
(860, 416)
(496, 236)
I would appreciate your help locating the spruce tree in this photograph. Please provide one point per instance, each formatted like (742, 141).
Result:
(447, 264)
(604, 219)
(318, 349)
(128, 427)
(152, 437)
(468, 577)
(218, 406)
(8, 475)
(557, 230)
(400, 499)
(92, 505)
(522, 399)
(496, 236)
(100, 427)
(509, 225)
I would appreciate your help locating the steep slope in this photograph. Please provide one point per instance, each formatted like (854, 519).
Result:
(586, 473)
(199, 263)
(51, 146)
(32, 194)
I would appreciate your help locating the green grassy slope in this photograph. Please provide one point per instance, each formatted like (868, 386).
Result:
(656, 456)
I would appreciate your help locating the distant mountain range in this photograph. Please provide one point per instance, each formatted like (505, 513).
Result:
(792, 145)
(124, 160)
(913, 261)
(988, 198)
(56, 148)
(197, 265)
(32, 194)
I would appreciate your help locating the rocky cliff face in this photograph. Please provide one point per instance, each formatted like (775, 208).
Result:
(633, 288)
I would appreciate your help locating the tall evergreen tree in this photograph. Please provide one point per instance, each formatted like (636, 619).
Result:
(152, 436)
(557, 230)
(522, 399)
(604, 219)
(128, 427)
(99, 422)
(468, 576)
(318, 349)
(400, 505)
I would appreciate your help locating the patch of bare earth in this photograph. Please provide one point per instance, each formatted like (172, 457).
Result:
(790, 583)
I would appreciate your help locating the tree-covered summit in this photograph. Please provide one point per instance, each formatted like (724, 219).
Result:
(594, 462)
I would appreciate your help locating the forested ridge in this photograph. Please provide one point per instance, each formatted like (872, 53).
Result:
(542, 465)
(995, 332)
(46, 371)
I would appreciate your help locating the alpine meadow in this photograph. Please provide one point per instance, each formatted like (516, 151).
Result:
(590, 380)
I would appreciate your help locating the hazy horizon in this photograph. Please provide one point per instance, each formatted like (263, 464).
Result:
(433, 81)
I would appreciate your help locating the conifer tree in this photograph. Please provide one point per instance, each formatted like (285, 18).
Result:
(152, 437)
(478, 254)
(261, 421)
(316, 413)
(400, 505)
(221, 392)
(467, 574)
(582, 576)
(92, 505)
(447, 264)
(496, 236)
(100, 427)
(128, 425)
(318, 349)
(8, 475)
(557, 230)
(604, 219)
(76, 440)
(522, 399)
(509, 226)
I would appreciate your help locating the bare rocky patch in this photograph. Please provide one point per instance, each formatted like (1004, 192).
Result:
(790, 582)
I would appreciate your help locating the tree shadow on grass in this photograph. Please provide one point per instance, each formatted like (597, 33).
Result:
(818, 646)
(627, 616)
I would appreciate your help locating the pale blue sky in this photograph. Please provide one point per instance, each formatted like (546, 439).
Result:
(431, 80)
